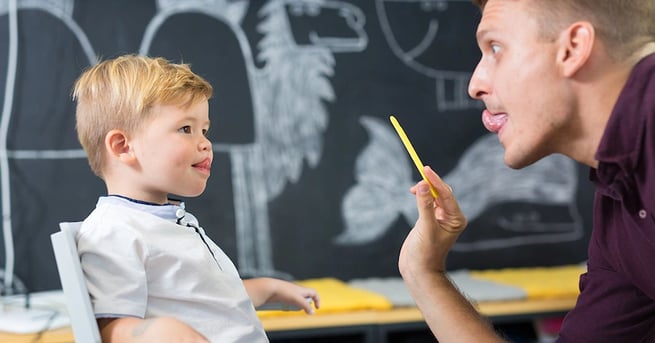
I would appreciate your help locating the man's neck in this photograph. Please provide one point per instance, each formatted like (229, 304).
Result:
(646, 49)
(614, 76)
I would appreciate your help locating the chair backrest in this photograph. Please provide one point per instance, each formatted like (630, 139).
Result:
(73, 283)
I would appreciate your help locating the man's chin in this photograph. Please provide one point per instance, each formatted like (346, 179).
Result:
(519, 161)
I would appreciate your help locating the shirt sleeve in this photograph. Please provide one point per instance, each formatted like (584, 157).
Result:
(113, 260)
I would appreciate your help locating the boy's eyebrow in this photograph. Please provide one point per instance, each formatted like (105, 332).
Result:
(194, 118)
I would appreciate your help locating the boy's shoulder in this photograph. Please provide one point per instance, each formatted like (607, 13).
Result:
(115, 216)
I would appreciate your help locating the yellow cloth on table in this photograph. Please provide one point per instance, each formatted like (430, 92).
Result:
(539, 282)
(337, 296)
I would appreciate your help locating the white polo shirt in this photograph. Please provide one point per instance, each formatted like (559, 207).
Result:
(141, 260)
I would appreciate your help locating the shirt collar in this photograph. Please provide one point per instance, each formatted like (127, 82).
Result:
(165, 211)
(621, 141)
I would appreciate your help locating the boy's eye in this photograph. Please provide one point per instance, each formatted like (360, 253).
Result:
(204, 132)
(185, 129)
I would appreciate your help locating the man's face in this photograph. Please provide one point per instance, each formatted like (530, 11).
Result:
(518, 80)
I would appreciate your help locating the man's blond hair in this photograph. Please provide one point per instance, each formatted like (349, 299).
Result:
(120, 94)
(623, 26)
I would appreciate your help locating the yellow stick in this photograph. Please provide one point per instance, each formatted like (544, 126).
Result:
(412, 152)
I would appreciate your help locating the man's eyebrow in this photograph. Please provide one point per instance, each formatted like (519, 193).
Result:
(480, 34)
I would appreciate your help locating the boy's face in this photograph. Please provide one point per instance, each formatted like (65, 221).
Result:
(173, 152)
(527, 99)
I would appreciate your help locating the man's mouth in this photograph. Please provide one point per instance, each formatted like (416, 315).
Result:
(493, 122)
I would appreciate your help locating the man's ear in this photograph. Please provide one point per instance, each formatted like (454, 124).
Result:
(118, 147)
(576, 44)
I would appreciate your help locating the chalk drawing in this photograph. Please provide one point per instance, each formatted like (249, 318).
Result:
(422, 53)
(288, 93)
(480, 181)
(63, 11)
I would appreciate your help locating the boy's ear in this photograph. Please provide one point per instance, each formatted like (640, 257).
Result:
(576, 44)
(118, 147)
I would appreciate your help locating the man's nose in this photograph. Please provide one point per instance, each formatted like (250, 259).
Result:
(479, 83)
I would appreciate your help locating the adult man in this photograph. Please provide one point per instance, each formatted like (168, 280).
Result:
(575, 77)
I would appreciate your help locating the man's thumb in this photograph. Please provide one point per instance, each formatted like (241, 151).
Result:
(424, 201)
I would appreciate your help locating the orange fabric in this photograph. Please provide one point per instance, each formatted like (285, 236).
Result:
(337, 296)
(543, 282)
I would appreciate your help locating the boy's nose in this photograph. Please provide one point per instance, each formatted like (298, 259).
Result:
(205, 144)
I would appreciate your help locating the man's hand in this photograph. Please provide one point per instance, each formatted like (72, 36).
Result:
(439, 224)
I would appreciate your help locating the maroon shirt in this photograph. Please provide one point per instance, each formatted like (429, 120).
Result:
(617, 294)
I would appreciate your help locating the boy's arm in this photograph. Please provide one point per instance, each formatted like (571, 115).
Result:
(133, 330)
(267, 290)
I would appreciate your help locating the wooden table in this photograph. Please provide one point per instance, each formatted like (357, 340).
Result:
(496, 311)
(501, 311)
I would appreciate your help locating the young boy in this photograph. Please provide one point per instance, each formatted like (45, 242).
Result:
(152, 273)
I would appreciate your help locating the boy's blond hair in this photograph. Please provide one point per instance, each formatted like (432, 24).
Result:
(120, 93)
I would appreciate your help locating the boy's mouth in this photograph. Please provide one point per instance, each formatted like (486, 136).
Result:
(205, 164)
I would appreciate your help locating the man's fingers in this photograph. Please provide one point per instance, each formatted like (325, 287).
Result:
(451, 218)
(436, 181)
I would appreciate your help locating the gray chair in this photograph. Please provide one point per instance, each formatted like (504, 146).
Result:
(73, 283)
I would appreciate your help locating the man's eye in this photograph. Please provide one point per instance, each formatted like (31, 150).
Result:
(495, 48)
(185, 129)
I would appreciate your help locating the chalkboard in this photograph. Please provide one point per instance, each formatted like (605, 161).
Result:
(309, 178)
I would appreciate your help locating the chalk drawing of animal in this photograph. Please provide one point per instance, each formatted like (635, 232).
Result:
(480, 181)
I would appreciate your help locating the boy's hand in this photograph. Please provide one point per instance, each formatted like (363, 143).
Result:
(270, 290)
(296, 295)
